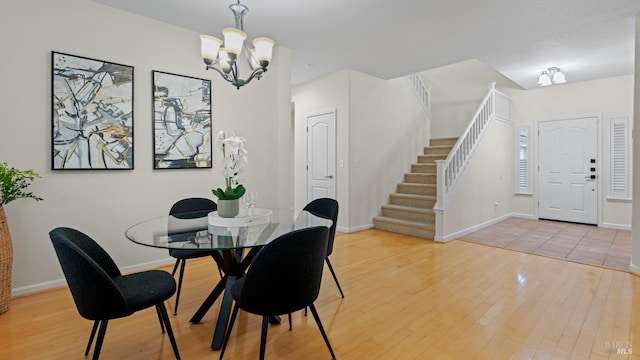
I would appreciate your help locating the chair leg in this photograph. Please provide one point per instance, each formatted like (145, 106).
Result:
(161, 320)
(290, 327)
(324, 334)
(175, 267)
(183, 263)
(100, 339)
(96, 323)
(162, 310)
(228, 334)
(334, 276)
(263, 336)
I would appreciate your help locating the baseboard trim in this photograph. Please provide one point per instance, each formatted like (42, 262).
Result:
(471, 229)
(482, 226)
(25, 290)
(634, 269)
(616, 226)
(347, 230)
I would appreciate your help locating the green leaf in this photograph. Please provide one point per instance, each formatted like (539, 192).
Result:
(13, 183)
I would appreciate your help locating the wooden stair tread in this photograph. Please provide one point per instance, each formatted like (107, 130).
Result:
(416, 184)
(405, 222)
(414, 196)
(421, 174)
(408, 208)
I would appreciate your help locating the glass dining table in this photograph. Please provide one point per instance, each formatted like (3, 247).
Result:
(238, 239)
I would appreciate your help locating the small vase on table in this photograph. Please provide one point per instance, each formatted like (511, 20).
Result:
(228, 208)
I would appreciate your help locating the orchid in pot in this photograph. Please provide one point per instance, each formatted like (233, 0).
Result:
(234, 157)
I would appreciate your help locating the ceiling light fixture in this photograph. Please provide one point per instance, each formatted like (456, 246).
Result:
(552, 75)
(223, 56)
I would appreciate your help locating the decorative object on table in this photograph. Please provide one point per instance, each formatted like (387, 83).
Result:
(92, 115)
(234, 157)
(250, 201)
(259, 217)
(181, 121)
(228, 208)
(223, 56)
(13, 185)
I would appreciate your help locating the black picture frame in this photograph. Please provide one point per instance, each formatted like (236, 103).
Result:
(181, 121)
(92, 114)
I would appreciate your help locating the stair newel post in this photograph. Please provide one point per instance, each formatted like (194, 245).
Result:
(440, 184)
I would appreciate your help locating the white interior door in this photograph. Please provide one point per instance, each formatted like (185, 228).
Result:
(568, 170)
(321, 155)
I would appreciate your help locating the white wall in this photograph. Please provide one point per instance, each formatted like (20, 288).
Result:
(485, 190)
(104, 203)
(387, 132)
(456, 93)
(381, 130)
(604, 98)
(327, 93)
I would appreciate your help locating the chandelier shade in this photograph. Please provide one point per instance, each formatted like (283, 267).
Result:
(223, 56)
(552, 75)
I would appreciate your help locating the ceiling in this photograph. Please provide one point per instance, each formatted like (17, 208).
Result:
(587, 39)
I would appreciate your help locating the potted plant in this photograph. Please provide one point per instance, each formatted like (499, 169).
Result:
(234, 155)
(13, 185)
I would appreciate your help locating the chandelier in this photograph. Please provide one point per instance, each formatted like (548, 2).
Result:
(223, 56)
(552, 75)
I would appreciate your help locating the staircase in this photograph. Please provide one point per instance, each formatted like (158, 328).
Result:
(410, 208)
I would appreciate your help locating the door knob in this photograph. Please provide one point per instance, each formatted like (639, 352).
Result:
(329, 176)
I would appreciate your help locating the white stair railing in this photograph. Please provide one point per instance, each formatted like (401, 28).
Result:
(451, 169)
(421, 91)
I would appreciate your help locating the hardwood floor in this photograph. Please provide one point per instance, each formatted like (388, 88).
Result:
(405, 298)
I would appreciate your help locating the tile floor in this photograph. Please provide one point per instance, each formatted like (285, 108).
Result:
(585, 244)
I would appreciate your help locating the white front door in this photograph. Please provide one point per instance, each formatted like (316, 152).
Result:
(321, 155)
(568, 170)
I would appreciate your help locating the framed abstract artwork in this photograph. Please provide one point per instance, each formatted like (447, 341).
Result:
(92, 114)
(181, 121)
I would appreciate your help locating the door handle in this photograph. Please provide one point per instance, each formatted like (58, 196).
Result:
(590, 177)
(329, 176)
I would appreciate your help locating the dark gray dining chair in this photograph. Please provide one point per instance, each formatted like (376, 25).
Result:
(284, 277)
(191, 208)
(327, 208)
(101, 293)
